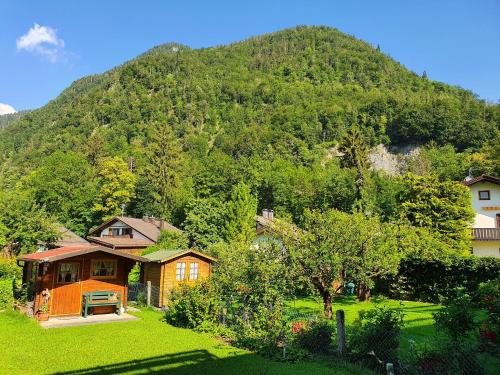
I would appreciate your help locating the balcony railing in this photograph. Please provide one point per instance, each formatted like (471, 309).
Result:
(486, 234)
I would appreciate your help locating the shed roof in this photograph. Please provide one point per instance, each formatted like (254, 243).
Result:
(72, 251)
(484, 177)
(161, 256)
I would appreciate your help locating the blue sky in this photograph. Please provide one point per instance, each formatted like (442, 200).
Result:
(46, 45)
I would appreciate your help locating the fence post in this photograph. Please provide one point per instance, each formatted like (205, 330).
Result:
(390, 368)
(148, 295)
(340, 317)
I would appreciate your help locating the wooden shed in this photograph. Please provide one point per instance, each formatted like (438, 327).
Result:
(67, 273)
(167, 269)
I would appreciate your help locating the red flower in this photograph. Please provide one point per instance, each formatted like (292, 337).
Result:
(297, 327)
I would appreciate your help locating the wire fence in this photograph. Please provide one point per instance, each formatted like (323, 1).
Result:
(145, 294)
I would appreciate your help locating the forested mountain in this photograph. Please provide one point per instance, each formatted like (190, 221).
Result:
(188, 125)
(7, 119)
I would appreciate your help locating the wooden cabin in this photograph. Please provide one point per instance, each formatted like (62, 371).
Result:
(69, 272)
(167, 269)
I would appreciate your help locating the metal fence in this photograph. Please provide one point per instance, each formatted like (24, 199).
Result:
(144, 294)
(393, 354)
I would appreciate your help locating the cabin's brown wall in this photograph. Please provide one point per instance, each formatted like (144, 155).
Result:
(86, 284)
(166, 280)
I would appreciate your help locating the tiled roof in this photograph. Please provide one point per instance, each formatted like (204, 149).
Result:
(149, 227)
(72, 251)
(69, 238)
(492, 179)
(121, 242)
(164, 255)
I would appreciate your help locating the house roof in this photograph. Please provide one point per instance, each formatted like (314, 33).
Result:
(147, 226)
(73, 251)
(69, 238)
(484, 177)
(121, 242)
(161, 256)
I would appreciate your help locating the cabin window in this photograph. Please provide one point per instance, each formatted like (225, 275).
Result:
(484, 195)
(193, 271)
(180, 271)
(498, 220)
(68, 272)
(103, 268)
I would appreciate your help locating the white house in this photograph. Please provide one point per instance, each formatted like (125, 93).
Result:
(485, 192)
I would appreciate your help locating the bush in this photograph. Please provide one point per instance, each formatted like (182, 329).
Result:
(6, 295)
(190, 306)
(456, 319)
(430, 279)
(377, 331)
(489, 299)
(315, 336)
(9, 269)
(447, 358)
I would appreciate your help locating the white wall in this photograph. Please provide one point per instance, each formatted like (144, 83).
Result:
(484, 218)
(486, 249)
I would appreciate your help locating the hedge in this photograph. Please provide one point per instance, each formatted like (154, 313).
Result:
(6, 295)
(427, 280)
(9, 269)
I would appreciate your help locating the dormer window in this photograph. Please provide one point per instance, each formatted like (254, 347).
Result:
(484, 195)
(116, 232)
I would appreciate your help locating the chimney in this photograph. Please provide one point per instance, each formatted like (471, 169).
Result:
(265, 213)
(162, 224)
(270, 214)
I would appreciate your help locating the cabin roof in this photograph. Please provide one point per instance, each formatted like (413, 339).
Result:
(69, 238)
(122, 242)
(149, 227)
(484, 177)
(72, 251)
(161, 256)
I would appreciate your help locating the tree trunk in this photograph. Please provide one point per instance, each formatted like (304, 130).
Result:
(327, 304)
(364, 293)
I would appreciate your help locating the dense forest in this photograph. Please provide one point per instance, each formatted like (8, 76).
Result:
(9, 118)
(285, 118)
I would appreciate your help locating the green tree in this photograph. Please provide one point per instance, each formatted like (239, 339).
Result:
(441, 206)
(240, 215)
(24, 224)
(115, 187)
(355, 155)
(169, 240)
(64, 186)
(338, 247)
(204, 220)
(165, 159)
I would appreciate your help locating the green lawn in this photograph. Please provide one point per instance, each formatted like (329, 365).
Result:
(144, 346)
(419, 323)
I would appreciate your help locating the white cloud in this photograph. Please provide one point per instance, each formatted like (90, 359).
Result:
(6, 109)
(42, 40)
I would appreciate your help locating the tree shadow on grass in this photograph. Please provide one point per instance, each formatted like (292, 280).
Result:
(190, 362)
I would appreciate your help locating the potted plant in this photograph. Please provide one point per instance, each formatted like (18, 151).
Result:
(43, 313)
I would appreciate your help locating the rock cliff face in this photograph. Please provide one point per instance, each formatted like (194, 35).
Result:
(394, 161)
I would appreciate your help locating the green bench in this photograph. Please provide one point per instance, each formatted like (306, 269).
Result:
(101, 298)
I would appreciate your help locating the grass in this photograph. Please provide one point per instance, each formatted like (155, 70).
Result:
(135, 347)
(419, 323)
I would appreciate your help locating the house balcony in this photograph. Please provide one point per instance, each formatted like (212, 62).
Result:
(486, 234)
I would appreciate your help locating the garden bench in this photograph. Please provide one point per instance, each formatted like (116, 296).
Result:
(101, 298)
